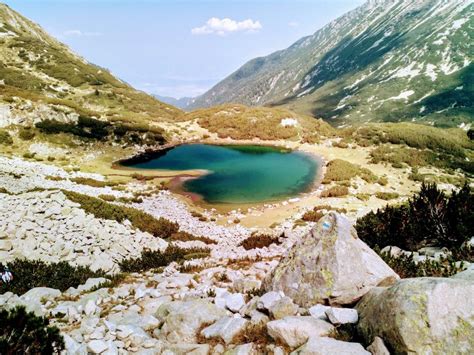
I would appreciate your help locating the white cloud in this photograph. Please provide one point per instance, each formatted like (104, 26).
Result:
(79, 33)
(225, 26)
(293, 24)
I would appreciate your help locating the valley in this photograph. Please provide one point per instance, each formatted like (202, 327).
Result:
(299, 207)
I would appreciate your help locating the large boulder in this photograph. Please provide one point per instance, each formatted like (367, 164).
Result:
(325, 346)
(330, 265)
(421, 315)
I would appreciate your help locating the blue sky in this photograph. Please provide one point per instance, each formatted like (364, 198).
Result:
(179, 47)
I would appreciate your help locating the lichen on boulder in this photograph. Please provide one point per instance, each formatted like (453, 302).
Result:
(331, 265)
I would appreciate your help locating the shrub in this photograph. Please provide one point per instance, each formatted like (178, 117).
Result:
(430, 218)
(318, 212)
(335, 191)
(258, 241)
(386, 195)
(29, 274)
(153, 259)
(109, 198)
(145, 222)
(92, 182)
(341, 170)
(5, 138)
(26, 133)
(405, 266)
(25, 333)
(188, 237)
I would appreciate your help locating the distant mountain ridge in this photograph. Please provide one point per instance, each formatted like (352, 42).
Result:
(183, 103)
(387, 60)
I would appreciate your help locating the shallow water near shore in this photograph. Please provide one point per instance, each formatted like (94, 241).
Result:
(239, 174)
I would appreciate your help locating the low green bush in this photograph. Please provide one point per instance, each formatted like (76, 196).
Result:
(29, 274)
(335, 191)
(5, 138)
(318, 212)
(26, 133)
(387, 196)
(188, 237)
(341, 170)
(23, 332)
(430, 218)
(159, 227)
(258, 241)
(405, 266)
(153, 259)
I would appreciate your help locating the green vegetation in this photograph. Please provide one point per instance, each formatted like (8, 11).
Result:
(92, 182)
(157, 259)
(335, 191)
(30, 274)
(188, 237)
(26, 133)
(430, 218)
(5, 138)
(90, 128)
(341, 170)
(23, 332)
(141, 220)
(241, 122)
(387, 196)
(319, 211)
(405, 266)
(258, 241)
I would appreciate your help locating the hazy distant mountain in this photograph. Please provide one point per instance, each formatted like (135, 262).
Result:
(388, 60)
(183, 103)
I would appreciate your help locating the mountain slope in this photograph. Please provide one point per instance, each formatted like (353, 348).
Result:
(41, 78)
(388, 60)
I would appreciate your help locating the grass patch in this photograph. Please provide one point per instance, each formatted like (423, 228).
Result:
(141, 220)
(188, 237)
(341, 170)
(5, 138)
(319, 211)
(387, 196)
(335, 191)
(29, 274)
(155, 259)
(258, 241)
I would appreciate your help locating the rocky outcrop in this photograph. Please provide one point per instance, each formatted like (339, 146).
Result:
(421, 315)
(47, 226)
(330, 265)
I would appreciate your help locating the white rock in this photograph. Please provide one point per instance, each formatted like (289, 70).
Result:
(326, 346)
(319, 311)
(295, 331)
(97, 346)
(378, 347)
(268, 300)
(226, 329)
(234, 302)
(338, 316)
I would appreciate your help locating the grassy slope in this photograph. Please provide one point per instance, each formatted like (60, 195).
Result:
(35, 67)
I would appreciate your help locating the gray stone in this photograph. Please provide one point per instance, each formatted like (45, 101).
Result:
(268, 300)
(40, 294)
(338, 316)
(378, 347)
(438, 315)
(91, 283)
(330, 265)
(327, 346)
(97, 346)
(319, 311)
(5, 245)
(182, 319)
(282, 308)
(244, 349)
(234, 302)
(226, 329)
(295, 331)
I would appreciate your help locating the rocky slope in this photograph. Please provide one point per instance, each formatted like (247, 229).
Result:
(41, 78)
(387, 60)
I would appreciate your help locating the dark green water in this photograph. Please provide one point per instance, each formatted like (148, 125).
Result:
(240, 174)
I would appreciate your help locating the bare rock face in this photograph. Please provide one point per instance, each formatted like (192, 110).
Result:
(421, 315)
(330, 265)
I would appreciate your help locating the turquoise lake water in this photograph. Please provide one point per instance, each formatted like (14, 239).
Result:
(239, 174)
